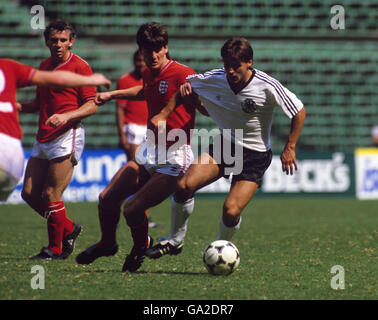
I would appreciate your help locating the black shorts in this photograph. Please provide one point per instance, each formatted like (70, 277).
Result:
(255, 163)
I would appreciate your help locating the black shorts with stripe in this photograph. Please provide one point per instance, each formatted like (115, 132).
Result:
(255, 163)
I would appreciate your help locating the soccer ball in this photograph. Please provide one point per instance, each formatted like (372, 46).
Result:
(221, 257)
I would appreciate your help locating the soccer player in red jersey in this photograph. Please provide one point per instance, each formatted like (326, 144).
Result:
(131, 115)
(154, 174)
(14, 75)
(59, 143)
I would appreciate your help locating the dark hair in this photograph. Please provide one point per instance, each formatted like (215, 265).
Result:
(152, 36)
(136, 54)
(59, 25)
(237, 49)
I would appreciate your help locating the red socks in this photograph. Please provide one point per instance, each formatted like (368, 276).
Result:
(139, 233)
(58, 225)
(109, 220)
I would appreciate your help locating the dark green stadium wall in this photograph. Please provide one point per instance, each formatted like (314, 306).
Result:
(333, 72)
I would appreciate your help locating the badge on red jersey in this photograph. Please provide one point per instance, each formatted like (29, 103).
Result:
(163, 86)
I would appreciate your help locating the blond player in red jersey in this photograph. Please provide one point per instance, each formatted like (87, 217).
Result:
(150, 180)
(59, 143)
(14, 75)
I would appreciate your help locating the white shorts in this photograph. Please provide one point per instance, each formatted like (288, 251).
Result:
(69, 142)
(135, 133)
(11, 164)
(173, 162)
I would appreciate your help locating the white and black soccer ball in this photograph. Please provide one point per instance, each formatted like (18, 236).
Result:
(221, 257)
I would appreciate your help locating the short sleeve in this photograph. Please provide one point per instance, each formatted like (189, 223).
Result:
(86, 93)
(183, 75)
(24, 73)
(284, 98)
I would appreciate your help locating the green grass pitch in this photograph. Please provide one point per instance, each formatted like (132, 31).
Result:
(287, 247)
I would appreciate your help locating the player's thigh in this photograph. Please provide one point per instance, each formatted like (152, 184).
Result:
(58, 177)
(158, 188)
(35, 176)
(203, 171)
(127, 180)
(241, 192)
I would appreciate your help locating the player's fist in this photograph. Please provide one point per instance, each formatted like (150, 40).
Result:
(57, 120)
(185, 89)
(103, 97)
(288, 160)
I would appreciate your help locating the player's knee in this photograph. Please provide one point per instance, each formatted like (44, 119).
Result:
(102, 198)
(50, 194)
(26, 196)
(29, 196)
(231, 213)
(184, 192)
(108, 202)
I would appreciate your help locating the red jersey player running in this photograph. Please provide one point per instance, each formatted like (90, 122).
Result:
(60, 142)
(14, 75)
(150, 180)
(131, 115)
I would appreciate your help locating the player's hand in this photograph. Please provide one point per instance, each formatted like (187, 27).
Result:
(185, 89)
(103, 97)
(18, 106)
(288, 160)
(57, 120)
(100, 80)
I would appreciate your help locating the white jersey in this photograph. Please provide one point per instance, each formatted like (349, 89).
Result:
(250, 109)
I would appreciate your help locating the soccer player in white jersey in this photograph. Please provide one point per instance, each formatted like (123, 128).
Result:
(236, 97)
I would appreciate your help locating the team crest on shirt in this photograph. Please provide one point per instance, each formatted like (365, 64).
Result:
(248, 105)
(163, 86)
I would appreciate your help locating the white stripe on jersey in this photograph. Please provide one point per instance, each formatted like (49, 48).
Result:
(251, 109)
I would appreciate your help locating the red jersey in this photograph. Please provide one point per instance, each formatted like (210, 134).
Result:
(52, 101)
(134, 111)
(13, 75)
(159, 90)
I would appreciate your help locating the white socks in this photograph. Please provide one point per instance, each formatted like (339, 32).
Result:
(226, 233)
(180, 213)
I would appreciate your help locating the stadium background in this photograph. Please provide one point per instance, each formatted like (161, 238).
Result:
(288, 245)
(332, 71)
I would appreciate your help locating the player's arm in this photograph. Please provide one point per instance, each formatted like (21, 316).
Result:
(133, 93)
(87, 109)
(288, 159)
(184, 95)
(164, 113)
(31, 106)
(190, 97)
(64, 79)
